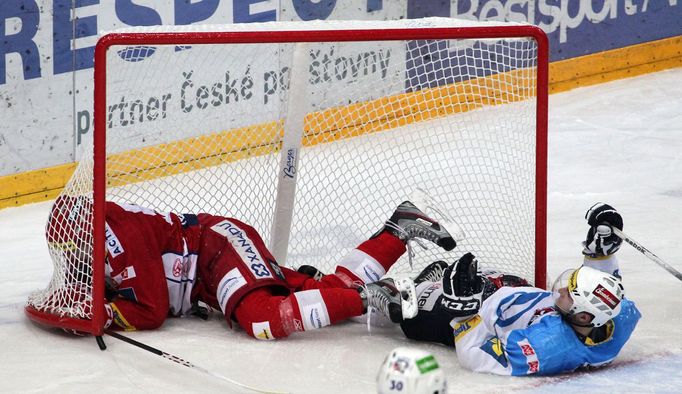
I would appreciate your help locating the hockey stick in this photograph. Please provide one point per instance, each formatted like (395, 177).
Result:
(647, 253)
(183, 362)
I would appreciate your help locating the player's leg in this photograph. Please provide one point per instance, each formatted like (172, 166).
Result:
(374, 257)
(308, 278)
(365, 264)
(264, 314)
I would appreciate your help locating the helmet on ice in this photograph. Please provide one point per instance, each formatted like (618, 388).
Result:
(411, 371)
(69, 235)
(69, 223)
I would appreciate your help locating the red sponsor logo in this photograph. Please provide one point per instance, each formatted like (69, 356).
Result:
(527, 350)
(533, 366)
(606, 296)
(177, 267)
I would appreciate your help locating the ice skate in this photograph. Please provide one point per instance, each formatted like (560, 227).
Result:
(432, 273)
(395, 299)
(408, 222)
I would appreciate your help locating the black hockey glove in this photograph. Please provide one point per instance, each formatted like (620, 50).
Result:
(600, 240)
(462, 286)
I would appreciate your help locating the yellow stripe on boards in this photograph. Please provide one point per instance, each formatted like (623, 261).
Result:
(348, 121)
(615, 64)
(34, 186)
(193, 154)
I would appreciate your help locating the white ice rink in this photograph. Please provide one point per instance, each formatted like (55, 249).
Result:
(619, 142)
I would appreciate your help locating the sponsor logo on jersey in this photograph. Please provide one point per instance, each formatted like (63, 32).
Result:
(119, 320)
(229, 284)
(127, 273)
(177, 267)
(463, 327)
(312, 309)
(606, 296)
(494, 348)
(368, 269)
(533, 366)
(527, 350)
(113, 244)
(531, 356)
(370, 274)
(244, 247)
(276, 269)
(314, 318)
(261, 330)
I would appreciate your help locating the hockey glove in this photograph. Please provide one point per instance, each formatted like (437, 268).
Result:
(600, 240)
(462, 286)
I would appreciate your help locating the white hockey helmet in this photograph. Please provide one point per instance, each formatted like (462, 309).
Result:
(410, 371)
(593, 291)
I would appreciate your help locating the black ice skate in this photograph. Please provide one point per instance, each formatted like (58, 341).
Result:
(432, 273)
(395, 300)
(409, 222)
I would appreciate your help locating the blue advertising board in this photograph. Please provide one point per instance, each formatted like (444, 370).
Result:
(574, 27)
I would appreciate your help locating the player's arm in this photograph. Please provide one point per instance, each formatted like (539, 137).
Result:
(481, 341)
(477, 343)
(601, 243)
(138, 294)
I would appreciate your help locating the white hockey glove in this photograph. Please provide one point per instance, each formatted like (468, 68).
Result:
(462, 286)
(600, 240)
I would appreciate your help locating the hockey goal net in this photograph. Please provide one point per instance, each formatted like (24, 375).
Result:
(313, 133)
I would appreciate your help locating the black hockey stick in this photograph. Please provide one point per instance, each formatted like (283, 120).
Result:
(184, 362)
(647, 253)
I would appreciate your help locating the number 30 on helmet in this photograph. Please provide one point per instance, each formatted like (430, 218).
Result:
(410, 371)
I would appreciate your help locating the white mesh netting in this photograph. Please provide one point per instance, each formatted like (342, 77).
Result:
(199, 128)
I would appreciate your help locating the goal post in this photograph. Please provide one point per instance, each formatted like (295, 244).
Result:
(312, 132)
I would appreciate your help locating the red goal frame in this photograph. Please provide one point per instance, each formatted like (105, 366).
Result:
(96, 325)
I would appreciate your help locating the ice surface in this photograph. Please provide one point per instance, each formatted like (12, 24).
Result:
(619, 142)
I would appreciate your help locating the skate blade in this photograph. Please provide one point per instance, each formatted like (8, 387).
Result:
(427, 204)
(408, 295)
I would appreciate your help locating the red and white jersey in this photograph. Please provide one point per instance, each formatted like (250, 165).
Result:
(158, 263)
(151, 264)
